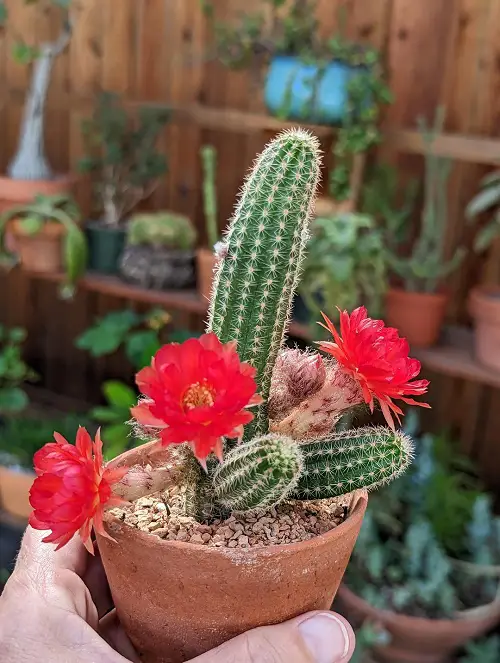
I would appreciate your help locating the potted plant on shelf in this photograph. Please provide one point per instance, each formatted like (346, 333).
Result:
(206, 258)
(334, 82)
(401, 575)
(345, 266)
(484, 301)
(159, 251)
(121, 152)
(48, 237)
(260, 530)
(29, 173)
(418, 307)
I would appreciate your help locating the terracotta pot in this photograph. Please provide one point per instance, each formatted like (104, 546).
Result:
(177, 600)
(41, 252)
(418, 316)
(18, 192)
(484, 306)
(205, 264)
(14, 491)
(415, 639)
(328, 206)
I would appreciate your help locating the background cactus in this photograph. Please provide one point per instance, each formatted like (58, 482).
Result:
(256, 280)
(209, 162)
(167, 229)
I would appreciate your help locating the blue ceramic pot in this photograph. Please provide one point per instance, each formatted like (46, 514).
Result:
(299, 91)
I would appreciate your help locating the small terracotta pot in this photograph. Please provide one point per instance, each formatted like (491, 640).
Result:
(325, 206)
(14, 492)
(178, 600)
(206, 261)
(418, 316)
(484, 306)
(19, 192)
(415, 639)
(41, 252)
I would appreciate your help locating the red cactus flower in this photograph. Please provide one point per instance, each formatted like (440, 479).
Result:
(72, 489)
(197, 392)
(377, 358)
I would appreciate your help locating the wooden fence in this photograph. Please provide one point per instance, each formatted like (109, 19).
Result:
(156, 51)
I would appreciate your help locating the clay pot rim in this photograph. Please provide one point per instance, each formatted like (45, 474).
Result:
(484, 293)
(359, 501)
(50, 227)
(70, 177)
(440, 295)
(392, 617)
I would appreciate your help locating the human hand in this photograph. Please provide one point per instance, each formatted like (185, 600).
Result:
(56, 607)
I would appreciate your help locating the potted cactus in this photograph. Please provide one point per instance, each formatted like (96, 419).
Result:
(417, 308)
(206, 258)
(425, 566)
(159, 251)
(122, 152)
(237, 519)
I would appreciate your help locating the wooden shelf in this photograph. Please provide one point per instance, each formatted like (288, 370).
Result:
(454, 356)
(181, 300)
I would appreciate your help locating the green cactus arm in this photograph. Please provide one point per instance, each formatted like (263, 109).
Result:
(258, 474)
(256, 279)
(209, 161)
(362, 458)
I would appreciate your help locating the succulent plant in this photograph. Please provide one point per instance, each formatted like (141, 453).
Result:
(197, 395)
(167, 229)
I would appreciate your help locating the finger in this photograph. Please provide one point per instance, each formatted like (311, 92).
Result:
(317, 637)
(110, 629)
(34, 553)
(97, 583)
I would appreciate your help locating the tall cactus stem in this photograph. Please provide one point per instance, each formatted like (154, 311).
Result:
(256, 279)
(209, 162)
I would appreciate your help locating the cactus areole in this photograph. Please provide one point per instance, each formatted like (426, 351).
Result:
(247, 424)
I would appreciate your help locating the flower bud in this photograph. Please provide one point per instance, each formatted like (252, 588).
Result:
(303, 373)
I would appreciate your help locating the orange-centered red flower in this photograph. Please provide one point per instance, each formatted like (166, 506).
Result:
(72, 489)
(377, 358)
(197, 392)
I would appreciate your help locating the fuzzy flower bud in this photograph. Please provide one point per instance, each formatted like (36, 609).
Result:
(297, 375)
(316, 416)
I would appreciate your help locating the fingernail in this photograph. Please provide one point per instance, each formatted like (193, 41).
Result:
(326, 637)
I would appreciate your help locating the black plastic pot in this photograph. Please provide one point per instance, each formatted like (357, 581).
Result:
(106, 246)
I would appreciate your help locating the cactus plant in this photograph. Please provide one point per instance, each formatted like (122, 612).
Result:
(167, 229)
(426, 267)
(209, 162)
(198, 394)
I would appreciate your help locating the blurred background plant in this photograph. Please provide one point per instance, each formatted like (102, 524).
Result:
(13, 371)
(166, 229)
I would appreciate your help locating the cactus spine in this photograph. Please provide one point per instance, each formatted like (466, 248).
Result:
(256, 279)
(271, 468)
(258, 474)
(362, 458)
(209, 162)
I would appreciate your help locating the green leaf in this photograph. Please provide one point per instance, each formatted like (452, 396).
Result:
(486, 236)
(31, 224)
(3, 13)
(12, 399)
(119, 394)
(483, 201)
(141, 346)
(23, 53)
(17, 334)
(107, 415)
(115, 440)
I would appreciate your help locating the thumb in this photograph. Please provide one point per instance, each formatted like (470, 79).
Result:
(316, 637)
